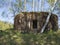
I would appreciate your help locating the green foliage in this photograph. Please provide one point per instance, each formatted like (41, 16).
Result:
(51, 2)
(5, 25)
(14, 37)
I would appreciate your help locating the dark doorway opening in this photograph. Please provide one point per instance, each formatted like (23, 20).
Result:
(35, 24)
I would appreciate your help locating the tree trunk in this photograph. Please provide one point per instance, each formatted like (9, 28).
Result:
(24, 5)
(33, 5)
(42, 3)
(48, 17)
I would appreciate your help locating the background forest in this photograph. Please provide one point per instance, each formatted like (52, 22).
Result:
(10, 8)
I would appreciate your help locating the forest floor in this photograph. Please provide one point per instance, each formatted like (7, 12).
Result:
(9, 36)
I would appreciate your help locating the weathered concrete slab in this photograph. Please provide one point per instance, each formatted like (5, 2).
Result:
(34, 21)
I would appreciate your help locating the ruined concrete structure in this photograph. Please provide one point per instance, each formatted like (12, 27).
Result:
(34, 21)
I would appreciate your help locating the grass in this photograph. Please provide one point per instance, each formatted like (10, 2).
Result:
(14, 37)
(5, 25)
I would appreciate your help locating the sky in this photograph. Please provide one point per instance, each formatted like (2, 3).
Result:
(6, 5)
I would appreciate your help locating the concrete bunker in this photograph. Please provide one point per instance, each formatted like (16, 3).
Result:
(34, 21)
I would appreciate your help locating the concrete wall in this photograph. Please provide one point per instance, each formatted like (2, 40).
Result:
(24, 21)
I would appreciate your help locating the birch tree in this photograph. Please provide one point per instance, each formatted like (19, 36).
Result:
(48, 17)
(42, 3)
